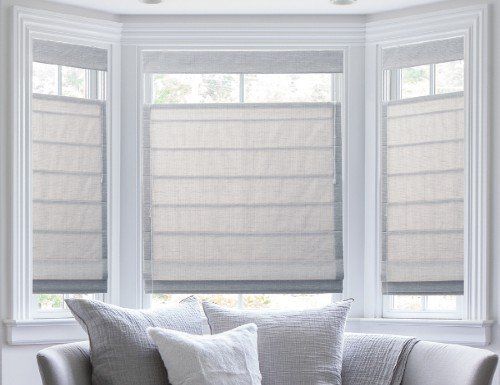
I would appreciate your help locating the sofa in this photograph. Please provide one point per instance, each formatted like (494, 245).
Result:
(429, 363)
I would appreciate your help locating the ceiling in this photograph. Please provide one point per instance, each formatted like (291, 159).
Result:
(272, 7)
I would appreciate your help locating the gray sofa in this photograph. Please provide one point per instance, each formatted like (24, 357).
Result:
(429, 363)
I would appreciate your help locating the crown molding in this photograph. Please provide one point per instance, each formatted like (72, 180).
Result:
(430, 23)
(225, 34)
(54, 22)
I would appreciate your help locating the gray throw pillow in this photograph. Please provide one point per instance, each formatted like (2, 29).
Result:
(121, 351)
(302, 347)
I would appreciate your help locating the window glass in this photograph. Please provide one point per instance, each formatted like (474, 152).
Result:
(251, 301)
(450, 77)
(52, 302)
(73, 82)
(415, 81)
(45, 78)
(269, 88)
(196, 88)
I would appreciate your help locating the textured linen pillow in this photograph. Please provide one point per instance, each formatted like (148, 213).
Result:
(302, 347)
(121, 351)
(229, 358)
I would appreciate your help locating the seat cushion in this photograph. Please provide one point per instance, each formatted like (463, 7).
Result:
(302, 347)
(121, 351)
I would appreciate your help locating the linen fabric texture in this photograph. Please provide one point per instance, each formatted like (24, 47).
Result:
(229, 358)
(302, 347)
(121, 351)
(375, 359)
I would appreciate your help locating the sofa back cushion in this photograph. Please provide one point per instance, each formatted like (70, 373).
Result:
(121, 351)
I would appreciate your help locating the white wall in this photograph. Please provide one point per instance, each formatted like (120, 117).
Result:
(17, 363)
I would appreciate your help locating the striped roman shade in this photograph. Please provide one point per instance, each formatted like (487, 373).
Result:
(423, 195)
(243, 198)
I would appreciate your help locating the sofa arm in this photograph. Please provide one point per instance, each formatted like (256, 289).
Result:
(431, 363)
(65, 364)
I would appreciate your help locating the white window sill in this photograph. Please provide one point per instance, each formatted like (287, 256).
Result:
(472, 333)
(43, 331)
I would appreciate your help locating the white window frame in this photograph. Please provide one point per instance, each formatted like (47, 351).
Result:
(30, 24)
(471, 24)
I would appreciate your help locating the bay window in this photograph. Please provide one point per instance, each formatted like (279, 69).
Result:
(253, 173)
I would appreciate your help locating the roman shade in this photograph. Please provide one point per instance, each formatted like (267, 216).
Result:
(70, 55)
(243, 198)
(69, 176)
(431, 52)
(423, 187)
(242, 62)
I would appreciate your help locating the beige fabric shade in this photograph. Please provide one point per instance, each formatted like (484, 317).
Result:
(423, 195)
(243, 198)
(69, 195)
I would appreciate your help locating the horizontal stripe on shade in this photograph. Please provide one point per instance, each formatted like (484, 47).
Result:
(431, 52)
(69, 195)
(424, 288)
(242, 287)
(243, 198)
(70, 55)
(423, 195)
(69, 287)
(242, 62)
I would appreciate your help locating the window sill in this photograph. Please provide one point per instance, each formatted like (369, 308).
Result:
(472, 333)
(43, 331)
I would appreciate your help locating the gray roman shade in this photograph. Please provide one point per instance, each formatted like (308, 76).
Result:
(246, 62)
(431, 52)
(69, 195)
(70, 55)
(243, 198)
(423, 195)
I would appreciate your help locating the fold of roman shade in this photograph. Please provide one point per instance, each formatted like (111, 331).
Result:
(246, 62)
(423, 195)
(69, 195)
(243, 198)
(70, 55)
(431, 52)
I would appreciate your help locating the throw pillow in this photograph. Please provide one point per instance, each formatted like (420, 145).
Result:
(229, 358)
(121, 351)
(295, 347)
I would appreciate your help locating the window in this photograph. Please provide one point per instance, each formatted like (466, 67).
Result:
(69, 178)
(242, 179)
(423, 181)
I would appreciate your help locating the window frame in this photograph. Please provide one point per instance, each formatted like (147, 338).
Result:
(29, 25)
(393, 90)
(338, 89)
(476, 298)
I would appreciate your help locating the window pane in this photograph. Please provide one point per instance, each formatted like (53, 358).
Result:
(44, 78)
(285, 301)
(450, 77)
(73, 82)
(51, 302)
(187, 88)
(415, 81)
(407, 303)
(260, 88)
(442, 303)
(227, 300)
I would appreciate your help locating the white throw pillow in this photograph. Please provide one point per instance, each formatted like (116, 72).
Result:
(229, 358)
